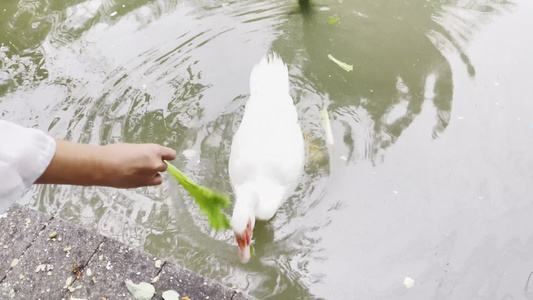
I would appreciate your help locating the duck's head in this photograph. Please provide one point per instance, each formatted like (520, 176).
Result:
(244, 238)
(243, 221)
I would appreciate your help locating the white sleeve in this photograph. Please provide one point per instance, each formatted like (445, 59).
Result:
(24, 155)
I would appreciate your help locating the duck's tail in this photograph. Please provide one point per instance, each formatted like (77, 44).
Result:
(270, 76)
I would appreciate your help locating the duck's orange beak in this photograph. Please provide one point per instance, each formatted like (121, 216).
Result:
(244, 254)
(243, 240)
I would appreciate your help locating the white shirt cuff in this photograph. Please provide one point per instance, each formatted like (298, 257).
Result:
(25, 153)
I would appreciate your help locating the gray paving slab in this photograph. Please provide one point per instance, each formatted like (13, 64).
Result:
(192, 285)
(107, 270)
(43, 269)
(37, 266)
(19, 226)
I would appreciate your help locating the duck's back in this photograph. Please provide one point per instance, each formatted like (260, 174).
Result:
(268, 148)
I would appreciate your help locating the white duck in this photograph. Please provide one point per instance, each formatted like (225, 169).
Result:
(267, 153)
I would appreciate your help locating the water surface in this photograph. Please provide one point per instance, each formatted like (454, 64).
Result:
(429, 176)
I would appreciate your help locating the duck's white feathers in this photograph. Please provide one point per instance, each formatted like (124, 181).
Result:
(267, 153)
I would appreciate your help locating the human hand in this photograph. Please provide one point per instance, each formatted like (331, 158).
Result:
(133, 165)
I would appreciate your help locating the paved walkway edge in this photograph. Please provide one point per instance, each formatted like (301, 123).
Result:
(38, 254)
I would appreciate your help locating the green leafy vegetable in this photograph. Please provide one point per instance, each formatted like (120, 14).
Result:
(345, 66)
(332, 20)
(210, 202)
(141, 291)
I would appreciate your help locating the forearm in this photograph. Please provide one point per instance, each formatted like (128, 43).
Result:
(115, 165)
(77, 164)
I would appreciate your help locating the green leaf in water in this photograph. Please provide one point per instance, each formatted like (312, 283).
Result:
(327, 126)
(332, 20)
(210, 202)
(141, 291)
(345, 66)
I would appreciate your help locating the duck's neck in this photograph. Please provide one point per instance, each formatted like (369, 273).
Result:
(244, 210)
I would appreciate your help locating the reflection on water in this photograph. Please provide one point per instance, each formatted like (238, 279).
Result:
(398, 50)
(176, 73)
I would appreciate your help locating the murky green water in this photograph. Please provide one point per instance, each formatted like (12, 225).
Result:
(429, 177)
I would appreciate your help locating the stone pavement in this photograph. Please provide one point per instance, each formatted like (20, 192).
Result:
(38, 254)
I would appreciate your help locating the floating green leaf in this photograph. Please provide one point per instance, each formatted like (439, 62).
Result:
(141, 291)
(332, 20)
(345, 66)
(210, 202)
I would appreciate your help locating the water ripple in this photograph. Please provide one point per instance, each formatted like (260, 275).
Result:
(176, 73)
